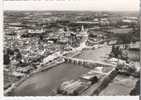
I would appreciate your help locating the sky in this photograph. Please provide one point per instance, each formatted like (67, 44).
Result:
(79, 5)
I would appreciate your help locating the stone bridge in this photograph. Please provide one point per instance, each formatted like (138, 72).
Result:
(86, 63)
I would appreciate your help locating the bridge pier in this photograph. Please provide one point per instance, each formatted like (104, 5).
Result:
(87, 63)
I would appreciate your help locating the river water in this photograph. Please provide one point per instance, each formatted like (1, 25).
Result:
(45, 83)
(99, 54)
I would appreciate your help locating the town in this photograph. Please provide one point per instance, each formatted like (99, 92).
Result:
(63, 53)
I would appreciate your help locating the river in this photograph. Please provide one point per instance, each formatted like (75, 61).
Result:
(45, 83)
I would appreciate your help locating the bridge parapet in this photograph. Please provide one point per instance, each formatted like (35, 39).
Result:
(86, 63)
